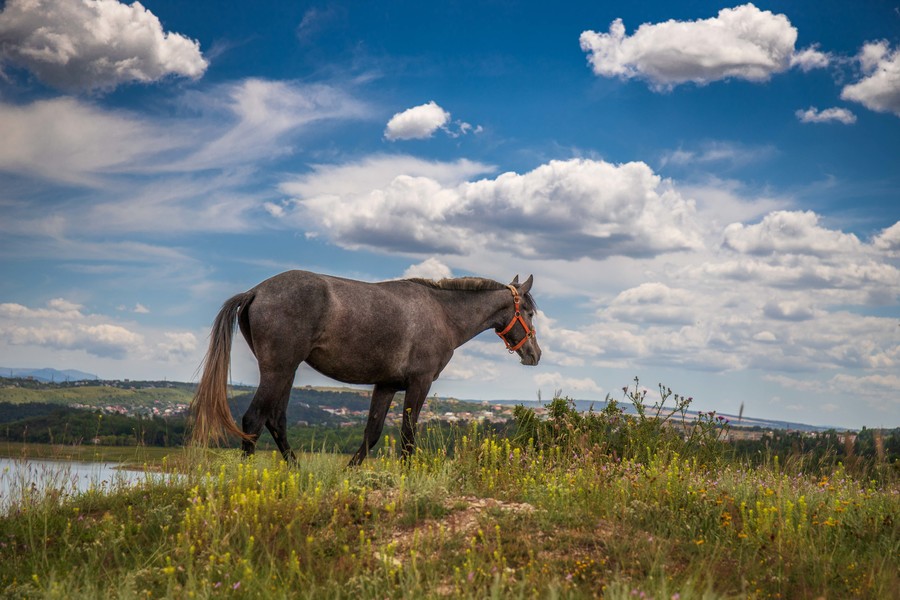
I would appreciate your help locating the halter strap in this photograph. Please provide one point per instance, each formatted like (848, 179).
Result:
(517, 318)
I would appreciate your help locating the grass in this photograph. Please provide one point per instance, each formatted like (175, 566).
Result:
(127, 455)
(501, 518)
(95, 395)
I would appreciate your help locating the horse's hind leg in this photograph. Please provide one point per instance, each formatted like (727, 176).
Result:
(381, 402)
(412, 405)
(269, 407)
(277, 426)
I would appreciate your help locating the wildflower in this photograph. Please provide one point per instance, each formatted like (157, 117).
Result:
(236, 585)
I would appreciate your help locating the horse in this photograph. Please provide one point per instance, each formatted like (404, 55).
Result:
(397, 335)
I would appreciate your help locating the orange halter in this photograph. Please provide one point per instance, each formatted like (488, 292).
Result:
(517, 318)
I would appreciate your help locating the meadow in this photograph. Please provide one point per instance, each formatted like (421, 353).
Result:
(598, 505)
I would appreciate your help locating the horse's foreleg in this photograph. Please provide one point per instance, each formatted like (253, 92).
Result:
(412, 405)
(381, 402)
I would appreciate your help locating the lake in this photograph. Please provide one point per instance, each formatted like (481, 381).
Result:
(68, 478)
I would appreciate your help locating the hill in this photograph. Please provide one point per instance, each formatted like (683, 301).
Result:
(48, 374)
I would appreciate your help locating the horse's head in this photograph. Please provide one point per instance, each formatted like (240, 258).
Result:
(519, 334)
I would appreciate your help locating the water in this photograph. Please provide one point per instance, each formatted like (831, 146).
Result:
(31, 480)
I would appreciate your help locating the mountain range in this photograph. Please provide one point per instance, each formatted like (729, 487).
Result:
(48, 374)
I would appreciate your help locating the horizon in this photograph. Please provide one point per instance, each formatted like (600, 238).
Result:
(706, 194)
(345, 387)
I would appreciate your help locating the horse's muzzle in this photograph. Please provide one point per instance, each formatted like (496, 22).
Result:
(530, 356)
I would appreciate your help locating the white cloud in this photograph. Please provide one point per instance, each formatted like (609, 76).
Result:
(556, 382)
(791, 232)
(258, 114)
(416, 123)
(889, 240)
(230, 126)
(788, 310)
(139, 309)
(717, 152)
(378, 171)
(430, 268)
(177, 346)
(810, 58)
(93, 45)
(68, 140)
(63, 326)
(196, 171)
(879, 89)
(63, 330)
(814, 115)
(742, 42)
(654, 302)
(568, 209)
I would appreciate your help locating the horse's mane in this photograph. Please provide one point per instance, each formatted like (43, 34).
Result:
(468, 284)
(460, 283)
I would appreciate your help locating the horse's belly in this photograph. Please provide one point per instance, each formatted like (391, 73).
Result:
(357, 367)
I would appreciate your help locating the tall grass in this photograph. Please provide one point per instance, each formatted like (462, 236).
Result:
(564, 508)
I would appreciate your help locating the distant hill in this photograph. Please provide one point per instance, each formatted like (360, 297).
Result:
(48, 374)
(79, 389)
(745, 421)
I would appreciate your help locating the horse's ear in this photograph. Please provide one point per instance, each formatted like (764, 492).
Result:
(515, 280)
(525, 287)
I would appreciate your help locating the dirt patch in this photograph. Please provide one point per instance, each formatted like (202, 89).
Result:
(462, 520)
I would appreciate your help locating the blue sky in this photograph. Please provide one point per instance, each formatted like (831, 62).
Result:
(706, 193)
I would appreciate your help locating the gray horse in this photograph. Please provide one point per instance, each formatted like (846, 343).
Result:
(397, 335)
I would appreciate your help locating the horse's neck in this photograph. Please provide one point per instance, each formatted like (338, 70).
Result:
(470, 313)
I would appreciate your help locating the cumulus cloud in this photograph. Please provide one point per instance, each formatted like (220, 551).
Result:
(654, 302)
(828, 115)
(555, 381)
(61, 325)
(562, 209)
(791, 232)
(430, 268)
(742, 42)
(417, 123)
(788, 310)
(93, 45)
(378, 171)
(879, 89)
(810, 58)
(177, 346)
(889, 239)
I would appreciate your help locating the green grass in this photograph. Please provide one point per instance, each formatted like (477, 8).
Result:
(128, 455)
(498, 519)
(95, 395)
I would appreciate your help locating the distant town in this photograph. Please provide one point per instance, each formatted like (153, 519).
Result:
(345, 407)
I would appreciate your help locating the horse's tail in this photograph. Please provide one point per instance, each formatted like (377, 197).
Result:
(211, 414)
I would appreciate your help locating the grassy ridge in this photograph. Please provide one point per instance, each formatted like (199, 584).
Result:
(561, 515)
(95, 395)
